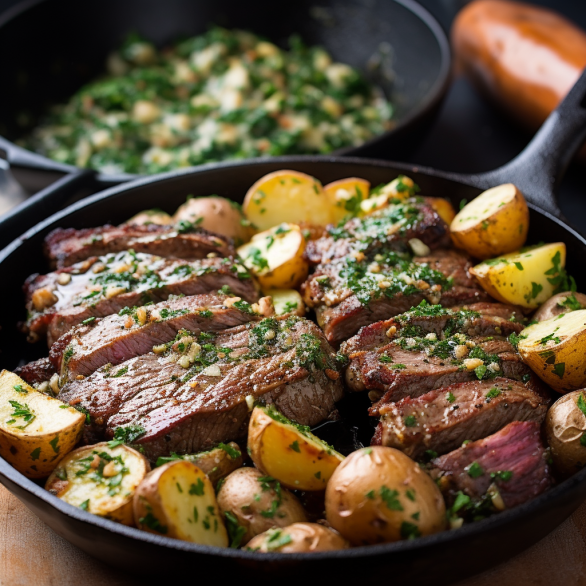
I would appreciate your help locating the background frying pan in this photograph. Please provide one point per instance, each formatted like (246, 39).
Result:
(50, 48)
(438, 559)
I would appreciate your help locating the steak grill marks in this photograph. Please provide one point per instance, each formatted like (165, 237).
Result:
(199, 388)
(101, 286)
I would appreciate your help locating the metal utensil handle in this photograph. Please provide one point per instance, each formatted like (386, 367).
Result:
(540, 167)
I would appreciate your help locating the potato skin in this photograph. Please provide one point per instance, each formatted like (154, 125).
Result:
(304, 538)
(565, 425)
(217, 463)
(147, 217)
(220, 215)
(379, 495)
(239, 493)
(553, 306)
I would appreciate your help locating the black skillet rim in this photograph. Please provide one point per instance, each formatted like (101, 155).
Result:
(517, 514)
(432, 99)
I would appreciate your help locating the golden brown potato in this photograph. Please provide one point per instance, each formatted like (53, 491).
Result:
(287, 196)
(443, 207)
(178, 500)
(287, 301)
(526, 278)
(288, 452)
(400, 188)
(100, 479)
(346, 196)
(216, 214)
(560, 303)
(147, 217)
(379, 494)
(555, 350)
(494, 223)
(565, 430)
(36, 430)
(298, 538)
(252, 502)
(276, 257)
(217, 463)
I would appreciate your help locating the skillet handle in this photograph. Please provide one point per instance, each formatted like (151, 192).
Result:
(540, 167)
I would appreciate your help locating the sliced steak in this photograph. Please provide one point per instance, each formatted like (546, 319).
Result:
(444, 418)
(37, 371)
(391, 228)
(199, 391)
(358, 290)
(511, 464)
(431, 347)
(116, 338)
(101, 286)
(67, 246)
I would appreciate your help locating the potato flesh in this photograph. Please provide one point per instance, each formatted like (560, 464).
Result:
(189, 502)
(494, 223)
(555, 350)
(522, 278)
(345, 196)
(444, 208)
(297, 460)
(287, 301)
(81, 485)
(34, 446)
(287, 196)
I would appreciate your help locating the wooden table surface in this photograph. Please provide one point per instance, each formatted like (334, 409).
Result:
(32, 555)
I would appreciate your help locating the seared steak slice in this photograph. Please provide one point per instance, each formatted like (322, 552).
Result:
(390, 227)
(428, 348)
(199, 391)
(116, 338)
(67, 246)
(444, 418)
(358, 290)
(101, 286)
(511, 464)
(37, 371)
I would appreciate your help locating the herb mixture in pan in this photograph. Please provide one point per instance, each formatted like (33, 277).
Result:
(183, 345)
(222, 95)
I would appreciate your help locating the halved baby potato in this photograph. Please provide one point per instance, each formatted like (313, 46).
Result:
(496, 222)
(289, 452)
(146, 217)
(287, 301)
(276, 257)
(346, 196)
(287, 196)
(555, 350)
(100, 479)
(561, 303)
(527, 278)
(178, 500)
(443, 207)
(36, 430)
(399, 188)
(217, 463)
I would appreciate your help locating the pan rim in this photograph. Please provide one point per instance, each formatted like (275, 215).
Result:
(518, 514)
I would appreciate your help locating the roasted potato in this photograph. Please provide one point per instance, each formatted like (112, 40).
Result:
(298, 538)
(289, 452)
(253, 502)
(276, 257)
(217, 463)
(527, 278)
(287, 301)
(100, 479)
(443, 207)
(560, 303)
(36, 430)
(346, 195)
(496, 222)
(555, 350)
(178, 500)
(379, 494)
(216, 214)
(287, 196)
(147, 217)
(400, 188)
(565, 431)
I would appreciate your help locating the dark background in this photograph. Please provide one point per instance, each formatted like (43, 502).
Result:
(471, 136)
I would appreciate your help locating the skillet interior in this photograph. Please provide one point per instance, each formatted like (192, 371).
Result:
(56, 46)
(438, 559)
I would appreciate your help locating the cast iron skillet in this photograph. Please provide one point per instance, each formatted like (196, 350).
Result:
(438, 559)
(56, 46)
